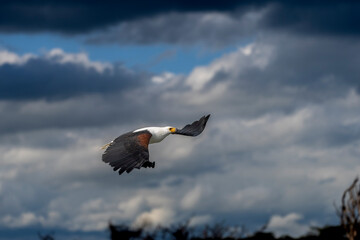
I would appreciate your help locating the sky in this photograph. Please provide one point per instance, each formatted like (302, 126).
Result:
(279, 78)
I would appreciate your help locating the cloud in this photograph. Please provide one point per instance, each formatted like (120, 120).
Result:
(248, 57)
(60, 75)
(7, 57)
(131, 207)
(191, 28)
(24, 219)
(68, 17)
(59, 56)
(315, 18)
(217, 28)
(29, 219)
(153, 218)
(284, 128)
(210, 22)
(287, 225)
(250, 197)
(192, 198)
(200, 220)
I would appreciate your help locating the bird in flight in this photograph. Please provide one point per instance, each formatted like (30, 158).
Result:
(130, 150)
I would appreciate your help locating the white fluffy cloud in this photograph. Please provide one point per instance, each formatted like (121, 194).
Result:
(287, 225)
(7, 57)
(154, 217)
(58, 55)
(232, 64)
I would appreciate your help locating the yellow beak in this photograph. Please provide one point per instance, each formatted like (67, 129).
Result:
(172, 130)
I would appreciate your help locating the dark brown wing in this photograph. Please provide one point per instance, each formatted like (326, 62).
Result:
(195, 128)
(128, 151)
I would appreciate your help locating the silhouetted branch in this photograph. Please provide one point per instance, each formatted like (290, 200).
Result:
(123, 232)
(350, 209)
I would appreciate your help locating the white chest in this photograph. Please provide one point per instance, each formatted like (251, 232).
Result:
(155, 138)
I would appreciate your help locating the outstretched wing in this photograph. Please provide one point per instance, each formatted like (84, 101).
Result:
(195, 128)
(128, 151)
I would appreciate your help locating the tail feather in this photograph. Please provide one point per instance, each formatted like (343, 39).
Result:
(106, 145)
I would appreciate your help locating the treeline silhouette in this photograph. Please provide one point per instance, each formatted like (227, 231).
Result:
(348, 212)
(217, 231)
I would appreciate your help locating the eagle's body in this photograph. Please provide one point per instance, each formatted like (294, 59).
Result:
(130, 150)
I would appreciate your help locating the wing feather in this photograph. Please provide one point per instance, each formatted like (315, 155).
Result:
(128, 151)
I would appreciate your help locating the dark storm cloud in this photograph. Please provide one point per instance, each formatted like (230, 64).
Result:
(41, 78)
(332, 17)
(82, 16)
(315, 17)
(218, 28)
(214, 29)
